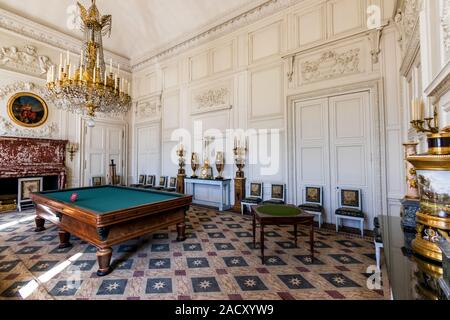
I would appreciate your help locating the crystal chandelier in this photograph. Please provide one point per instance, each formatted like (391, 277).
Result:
(89, 87)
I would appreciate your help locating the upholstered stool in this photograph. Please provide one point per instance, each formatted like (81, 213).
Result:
(350, 214)
(314, 209)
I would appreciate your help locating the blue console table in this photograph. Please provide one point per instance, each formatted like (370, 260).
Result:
(223, 188)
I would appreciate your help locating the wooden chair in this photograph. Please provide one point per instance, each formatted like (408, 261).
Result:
(162, 183)
(150, 182)
(313, 202)
(97, 181)
(172, 185)
(256, 196)
(350, 208)
(277, 195)
(141, 182)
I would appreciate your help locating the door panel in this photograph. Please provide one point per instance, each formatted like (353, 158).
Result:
(333, 149)
(312, 155)
(104, 142)
(350, 152)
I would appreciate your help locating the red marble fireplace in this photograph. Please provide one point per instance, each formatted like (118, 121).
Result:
(27, 157)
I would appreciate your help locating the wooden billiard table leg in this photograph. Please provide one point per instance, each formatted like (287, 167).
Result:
(181, 229)
(104, 260)
(39, 224)
(262, 243)
(64, 239)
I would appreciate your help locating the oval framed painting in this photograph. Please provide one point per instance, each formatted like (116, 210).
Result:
(27, 109)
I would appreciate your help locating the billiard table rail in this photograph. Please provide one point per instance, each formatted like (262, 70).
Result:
(111, 228)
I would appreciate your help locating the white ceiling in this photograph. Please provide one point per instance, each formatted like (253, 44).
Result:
(139, 26)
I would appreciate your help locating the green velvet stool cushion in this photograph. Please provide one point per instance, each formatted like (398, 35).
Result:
(273, 201)
(254, 200)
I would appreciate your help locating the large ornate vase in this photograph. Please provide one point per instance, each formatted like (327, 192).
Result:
(433, 217)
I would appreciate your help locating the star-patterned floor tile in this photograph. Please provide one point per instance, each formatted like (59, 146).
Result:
(160, 247)
(243, 234)
(159, 286)
(16, 239)
(348, 244)
(28, 250)
(197, 263)
(46, 238)
(235, 262)
(216, 235)
(84, 265)
(286, 244)
(58, 250)
(159, 264)
(8, 266)
(65, 288)
(43, 266)
(224, 246)
(14, 289)
(210, 226)
(339, 280)
(112, 287)
(127, 248)
(192, 247)
(295, 281)
(307, 260)
(344, 258)
(273, 261)
(205, 285)
(234, 226)
(123, 264)
(160, 236)
(250, 283)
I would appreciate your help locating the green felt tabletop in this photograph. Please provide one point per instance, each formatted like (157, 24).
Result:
(107, 199)
(279, 210)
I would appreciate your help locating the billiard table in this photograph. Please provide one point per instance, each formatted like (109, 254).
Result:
(109, 215)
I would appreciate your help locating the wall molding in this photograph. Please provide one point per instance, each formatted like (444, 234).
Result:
(213, 32)
(21, 86)
(445, 22)
(29, 29)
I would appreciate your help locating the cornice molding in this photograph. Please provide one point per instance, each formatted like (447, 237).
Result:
(213, 32)
(34, 31)
(440, 84)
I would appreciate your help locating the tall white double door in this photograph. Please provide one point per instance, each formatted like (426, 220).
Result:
(334, 149)
(103, 143)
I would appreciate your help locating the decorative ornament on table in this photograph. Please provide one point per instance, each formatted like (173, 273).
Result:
(220, 164)
(89, 88)
(195, 164)
(206, 171)
(433, 175)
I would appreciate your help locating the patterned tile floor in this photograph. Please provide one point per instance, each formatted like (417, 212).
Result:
(217, 262)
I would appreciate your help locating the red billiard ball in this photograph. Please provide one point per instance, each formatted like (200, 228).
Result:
(74, 197)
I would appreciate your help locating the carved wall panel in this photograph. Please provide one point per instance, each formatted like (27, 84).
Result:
(26, 59)
(212, 98)
(331, 64)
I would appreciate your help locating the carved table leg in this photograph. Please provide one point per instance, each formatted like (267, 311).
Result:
(181, 229)
(104, 260)
(311, 238)
(262, 243)
(64, 239)
(39, 224)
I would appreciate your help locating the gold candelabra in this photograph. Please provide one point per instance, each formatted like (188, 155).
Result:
(240, 152)
(72, 148)
(424, 124)
(181, 152)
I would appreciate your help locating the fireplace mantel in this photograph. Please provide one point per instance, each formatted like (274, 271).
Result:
(28, 157)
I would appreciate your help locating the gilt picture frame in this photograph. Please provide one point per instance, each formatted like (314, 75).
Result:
(27, 109)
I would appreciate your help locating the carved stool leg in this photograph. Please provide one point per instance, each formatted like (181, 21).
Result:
(104, 260)
(181, 229)
(39, 224)
(64, 239)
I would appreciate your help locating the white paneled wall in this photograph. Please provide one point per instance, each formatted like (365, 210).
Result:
(248, 80)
